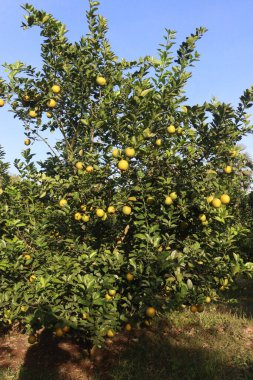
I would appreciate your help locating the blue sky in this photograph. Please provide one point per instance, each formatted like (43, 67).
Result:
(136, 28)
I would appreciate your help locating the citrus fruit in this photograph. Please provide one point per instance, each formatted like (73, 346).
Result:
(111, 210)
(216, 202)
(1, 102)
(78, 216)
(225, 199)
(210, 198)
(59, 332)
(123, 165)
(150, 312)
(115, 152)
(27, 141)
(79, 165)
(200, 308)
(171, 129)
(110, 333)
(51, 103)
(168, 200)
(208, 299)
(63, 202)
(128, 327)
(101, 81)
(228, 169)
(126, 210)
(130, 152)
(85, 218)
(202, 217)
(56, 89)
(129, 277)
(89, 169)
(100, 212)
(32, 113)
(193, 309)
(173, 195)
(158, 142)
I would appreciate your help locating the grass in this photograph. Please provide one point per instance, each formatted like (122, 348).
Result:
(214, 345)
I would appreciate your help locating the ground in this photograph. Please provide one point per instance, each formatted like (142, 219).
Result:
(216, 344)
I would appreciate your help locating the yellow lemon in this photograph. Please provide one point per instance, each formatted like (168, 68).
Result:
(168, 200)
(128, 327)
(51, 103)
(225, 199)
(89, 169)
(27, 141)
(1, 102)
(123, 165)
(110, 333)
(79, 165)
(216, 202)
(101, 81)
(78, 216)
(111, 210)
(63, 202)
(85, 218)
(100, 212)
(171, 129)
(126, 210)
(158, 142)
(202, 217)
(32, 113)
(228, 169)
(115, 152)
(130, 152)
(210, 198)
(56, 89)
(173, 195)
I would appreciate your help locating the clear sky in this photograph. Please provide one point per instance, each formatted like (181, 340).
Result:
(136, 28)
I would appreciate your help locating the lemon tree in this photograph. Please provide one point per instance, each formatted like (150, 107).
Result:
(134, 212)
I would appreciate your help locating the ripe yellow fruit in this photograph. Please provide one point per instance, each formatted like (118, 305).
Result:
(180, 131)
(1, 102)
(66, 329)
(202, 217)
(173, 195)
(56, 89)
(78, 216)
(23, 308)
(85, 218)
(51, 103)
(123, 165)
(225, 199)
(228, 169)
(110, 333)
(200, 308)
(168, 200)
(100, 212)
(83, 207)
(150, 200)
(101, 81)
(32, 113)
(32, 339)
(115, 152)
(49, 115)
(128, 327)
(171, 129)
(112, 292)
(216, 202)
(130, 152)
(111, 210)
(129, 277)
(63, 202)
(58, 332)
(150, 312)
(158, 142)
(79, 165)
(208, 299)
(108, 297)
(27, 257)
(89, 169)
(26, 98)
(233, 153)
(205, 223)
(85, 316)
(210, 198)
(126, 210)
(193, 309)
(32, 278)
(27, 141)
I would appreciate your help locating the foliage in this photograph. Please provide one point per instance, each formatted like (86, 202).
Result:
(61, 263)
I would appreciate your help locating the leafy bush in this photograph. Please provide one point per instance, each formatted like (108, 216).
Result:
(134, 211)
